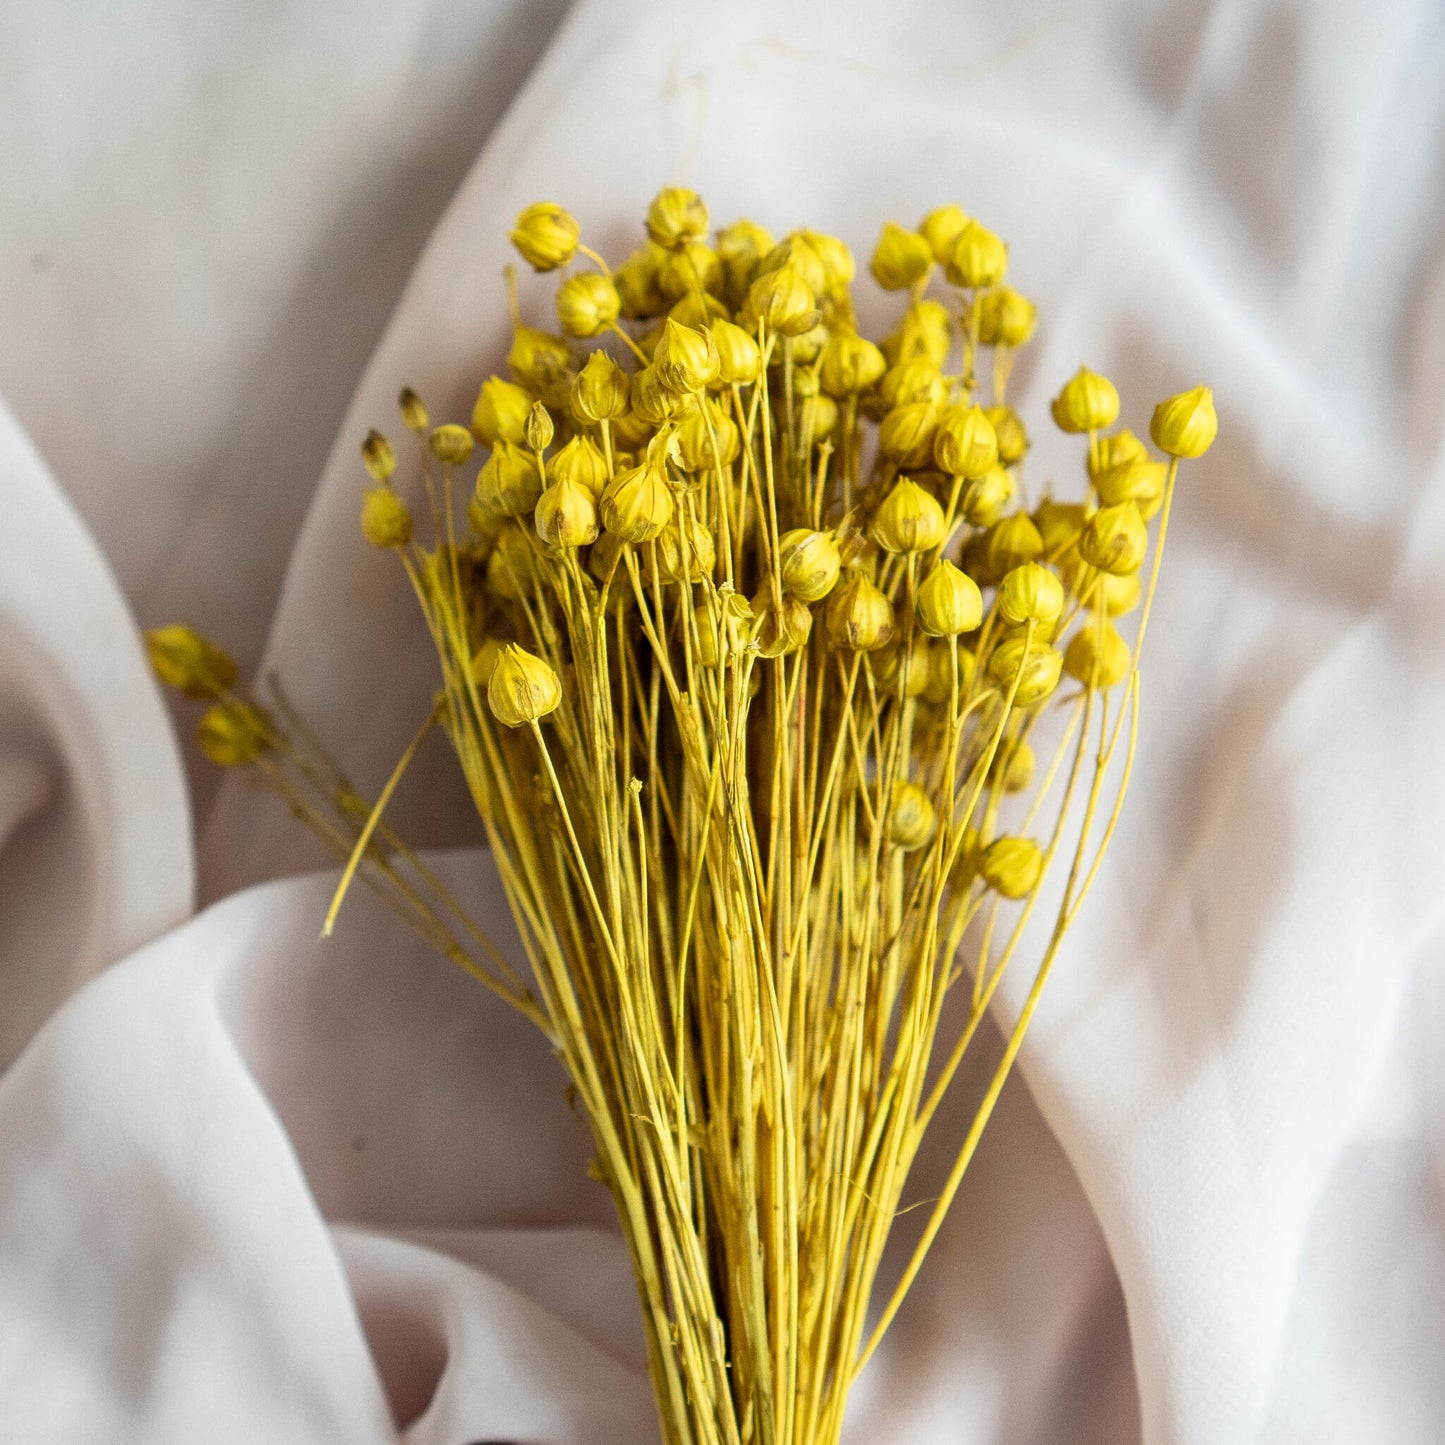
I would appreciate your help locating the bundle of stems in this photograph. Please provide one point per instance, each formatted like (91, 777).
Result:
(746, 637)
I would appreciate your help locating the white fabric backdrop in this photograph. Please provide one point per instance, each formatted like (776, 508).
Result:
(261, 1188)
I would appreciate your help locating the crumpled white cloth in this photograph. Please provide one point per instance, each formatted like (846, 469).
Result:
(257, 1187)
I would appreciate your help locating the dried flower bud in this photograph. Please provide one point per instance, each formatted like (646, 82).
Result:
(537, 359)
(948, 602)
(508, 484)
(1098, 658)
(1031, 593)
(676, 216)
(859, 616)
(906, 433)
(900, 258)
(450, 444)
(484, 661)
(850, 364)
(1013, 766)
(965, 444)
(183, 659)
(523, 688)
(1115, 540)
(1134, 481)
(580, 461)
(1114, 451)
(685, 552)
(941, 229)
(1088, 402)
(1114, 596)
(1059, 525)
(915, 380)
(637, 504)
(740, 362)
(909, 668)
(817, 420)
(689, 269)
(1185, 425)
(1006, 318)
(1008, 427)
(566, 515)
(940, 671)
(546, 235)
(809, 563)
(385, 520)
(600, 391)
(413, 411)
(636, 280)
(781, 631)
(907, 519)
(740, 247)
(1036, 665)
(911, 819)
(539, 428)
(721, 637)
(501, 412)
(1012, 866)
(587, 304)
(686, 360)
(839, 267)
(232, 733)
(797, 251)
(978, 258)
(1009, 544)
(926, 330)
(378, 457)
(783, 301)
(986, 498)
(512, 565)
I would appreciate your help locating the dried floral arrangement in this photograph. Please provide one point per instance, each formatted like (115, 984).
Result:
(747, 635)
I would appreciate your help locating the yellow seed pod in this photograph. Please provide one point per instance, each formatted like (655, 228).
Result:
(636, 280)
(501, 412)
(385, 520)
(906, 433)
(523, 688)
(652, 399)
(1006, 318)
(508, 484)
(915, 380)
(900, 258)
(978, 258)
(587, 304)
(484, 661)
(1133, 481)
(1059, 525)
(566, 515)
(637, 504)
(940, 671)
(740, 362)
(1031, 593)
(676, 216)
(797, 251)
(183, 659)
(698, 311)
(965, 444)
(911, 819)
(985, 499)
(691, 268)
(890, 669)
(908, 519)
(941, 229)
(546, 235)
(1088, 402)
(1185, 425)
(232, 733)
(512, 564)
(1113, 451)
(414, 414)
(839, 267)
(783, 301)
(740, 247)
(600, 391)
(1116, 595)
(685, 359)
(1012, 866)
(723, 634)
(817, 420)
(1098, 660)
(1115, 539)
(808, 563)
(378, 457)
(948, 602)
(537, 359)
(1037, 667)
(850, 364)
(858, 615)
(1010, 543)
(630, 433)
(580, 461)
(926, 330)
(450, 444)
(540, 430)
(781, 630)
(684, 552)
(1013, 766)
(700, 431)
(1008, 427)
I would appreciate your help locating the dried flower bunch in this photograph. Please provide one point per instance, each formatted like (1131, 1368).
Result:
(748, 637)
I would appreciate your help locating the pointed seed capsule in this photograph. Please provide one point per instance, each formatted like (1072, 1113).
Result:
(911, 818)
(450, 444)
(185, 660)
(900, 258)
(1115, 539)
(808, 564)
(965, 444)
(523, 688)
(941, 228)
(1031, 593)
(546, 235)
(1095, 660)
(676, 216)
(413, 411)
(378, 457)
(1185, 425)
(1037, 667)
(566, 515)
(858, 615)
(1006, 318)
(232, 733)
(948, 602)
(908, 519)
(501, 412)
(1088, 402)
(587, 304)
(600, 391)
(385, 520)
(637, 504)
(1012, 866)
(978, 258)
